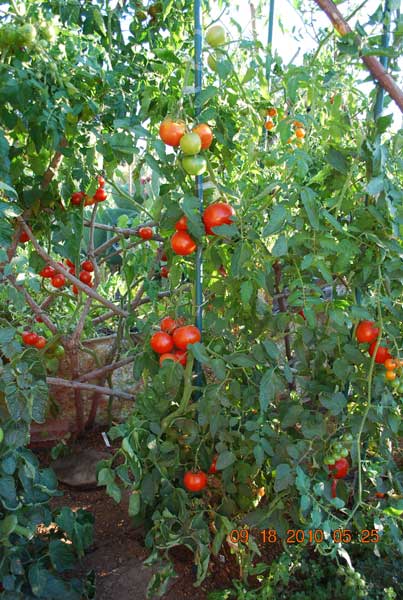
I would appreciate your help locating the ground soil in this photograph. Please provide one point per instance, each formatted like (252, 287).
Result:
(118, 551)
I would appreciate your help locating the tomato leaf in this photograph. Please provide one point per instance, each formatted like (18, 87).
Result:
(225, 459)
(284, 477)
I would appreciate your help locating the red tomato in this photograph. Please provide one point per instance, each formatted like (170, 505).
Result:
(167, 356)
(181, 357)
(183, 336)
(87, 266)
(72, 271)
(164, 257)
(381, 355)
(205, 134)
(146, 233)
(182, 224)
(39, 319)
(164, 272)
(213, 468)
(70, 264)
(195, 481)
(101, 181)
(340, 468)
(334, 485)
(40, 343)
(58, 281)
(75, 289)
(24, 237)
(85, 277)
(89, 201)
(168, 324)
(182, 243)
(366, 332)
(77, 198)
(161, 342)
(172, 131)
(47, 271)
(30, 338)
(100, 195)
(217, 214)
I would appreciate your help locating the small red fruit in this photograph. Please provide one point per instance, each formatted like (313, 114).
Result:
(168, 324)
(146, 233)
(161, 342)
(172, 131)
(164, 272)
(164, 257)
(24, 237)
(339, 469)
(195, 481)
(205, 134)
(334, 486)
(181, 357)
(89, 201)
(47, 271)
(39, 319)
(30, 338)
(366, 332)
(85, 277)
(381, 355)
(167, 356)
(40, 343)
(77, 198)
(182, 224)
(87, 266)
(217, 214)
(101, 181)
(213, 468)
(70, 264)
(100, 195)
(183, 336)
(182, 243)
(75, 289)
(58, 281)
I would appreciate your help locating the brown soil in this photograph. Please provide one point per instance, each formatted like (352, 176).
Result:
(118, 551)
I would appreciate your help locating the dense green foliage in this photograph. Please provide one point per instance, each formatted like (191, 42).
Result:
(317, 228)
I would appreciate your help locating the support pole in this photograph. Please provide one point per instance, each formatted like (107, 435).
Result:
(270, 42)
(199, 178)
(383, 59)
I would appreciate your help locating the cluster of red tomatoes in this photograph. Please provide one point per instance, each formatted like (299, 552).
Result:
(173, 133)
(172, 340)
(58, 280)
(30, 338)
(99, 196)
(214, 215)
(366, 333)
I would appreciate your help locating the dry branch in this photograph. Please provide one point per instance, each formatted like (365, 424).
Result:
(76, 385)
(107, 369)
(375, 67)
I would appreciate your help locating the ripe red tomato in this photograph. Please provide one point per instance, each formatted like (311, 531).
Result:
(272, 112)
(47, 271)
(366, 332)
(146, 233)
(89, 201)
(101, 181)
(181, 357)
(164, 257)
(171, 131)
(195, 481)
(100, 195)
(205, 134)
(161, 342)
(87, 266)
(164, 272)
(72, 271)
(182, 243)
(40, 343)
(85, 277)
(381, 355)
(183, 336)
(213, 467)
(168, 324)
(340, 468)
(24, 237)
(77, 198)
(75, 289)
(58, 281)
(182, 224)
(39, 319)
(30, 338)
(217, 214)
(167, 356)
(70, 264)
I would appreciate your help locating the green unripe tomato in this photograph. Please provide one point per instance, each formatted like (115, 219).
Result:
(395, 383)
(337, 447)
(190, 144)
(26, 35)
(141, 15)
(344, 452)
(212, 62)
(329, 460)
(400, 388)
(49, 32)
(348, 437)
(1, 435)
(59, 352)
(155, 9)
(194, 165)
(215, 36)
(8, 36)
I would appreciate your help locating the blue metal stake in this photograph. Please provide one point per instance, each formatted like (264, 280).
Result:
(383, 59)
(199, 178)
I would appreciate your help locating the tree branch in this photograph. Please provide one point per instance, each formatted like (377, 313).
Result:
(31, 302)
(54, 165)
(107, 369)
(76, 385)
(375, 67)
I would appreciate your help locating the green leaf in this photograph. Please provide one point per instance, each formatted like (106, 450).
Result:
(270, 385)
(337, 160)
(199, 352)
(134, 503)
(246, 291)
(62, 555)
(280, 248)
(284, 477)
(335, 403)
(240, 360)
(277, 219)
(311, 206)
(376, 186)
(225, 459)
